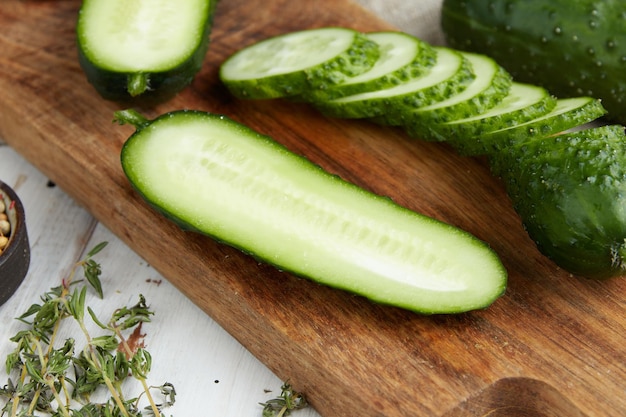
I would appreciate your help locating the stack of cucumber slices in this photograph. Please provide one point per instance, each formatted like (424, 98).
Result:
(566, 179)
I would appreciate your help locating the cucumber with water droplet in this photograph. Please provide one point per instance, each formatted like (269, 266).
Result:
(489, 87)
(571, 47)
(522, 103)
(450, 74)
(139, 52)
(570, 193)
(215, 176)
(402, 58)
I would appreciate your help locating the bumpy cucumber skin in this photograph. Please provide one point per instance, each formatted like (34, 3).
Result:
(162, 85)
(591, 110)
(465, 135)
(485, 100)
(424, 60)
(570, 47)
(495, 270)
(570, 193)
(381, 106)
(357, 59)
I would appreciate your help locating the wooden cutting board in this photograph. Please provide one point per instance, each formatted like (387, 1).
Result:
(554, 345)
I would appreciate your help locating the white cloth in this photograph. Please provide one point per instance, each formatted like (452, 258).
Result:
(421, 18)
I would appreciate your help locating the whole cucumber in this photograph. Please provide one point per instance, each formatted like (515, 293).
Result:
(570, 47)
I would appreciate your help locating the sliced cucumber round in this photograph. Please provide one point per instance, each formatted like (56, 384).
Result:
(450, 75)
(402, 58)
(142, 52)
(491, 85)
(220, 178)
(568, 113)
(298, 62)
(523, 103)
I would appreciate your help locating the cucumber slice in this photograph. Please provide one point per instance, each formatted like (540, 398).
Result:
(140, 52)
(450, 75)
(568, 113)
(217, 177)
(295, 63)
(570, 193)
(524, 102)
(491, 85)
(402, 58)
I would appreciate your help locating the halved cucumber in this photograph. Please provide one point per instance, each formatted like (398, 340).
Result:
(220, 178)
(450, 75)
(524, 102)
(490, 85)
(298, 62)
(140, 51)
(402, 58)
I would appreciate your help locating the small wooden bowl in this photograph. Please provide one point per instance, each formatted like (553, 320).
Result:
(15, 257)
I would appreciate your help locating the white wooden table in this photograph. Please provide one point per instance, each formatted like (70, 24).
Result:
(213, 374)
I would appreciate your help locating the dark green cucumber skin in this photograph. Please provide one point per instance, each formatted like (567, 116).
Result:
(570, 47)
(570, 193)
(163, 86)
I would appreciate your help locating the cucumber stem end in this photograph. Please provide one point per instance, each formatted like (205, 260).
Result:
(132, 117)
(137, 83)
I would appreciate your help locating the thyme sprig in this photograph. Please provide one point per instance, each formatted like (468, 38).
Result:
(47, 377)
(285, 403)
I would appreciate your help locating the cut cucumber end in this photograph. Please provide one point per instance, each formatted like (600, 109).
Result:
(215, 176)
(129, 37)
(142, 53)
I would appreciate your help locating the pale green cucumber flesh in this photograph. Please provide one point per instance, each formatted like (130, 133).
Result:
(402, 57)
(293, 63)
(222, 179)
(449, 75)
(142, 53)
(139, 37)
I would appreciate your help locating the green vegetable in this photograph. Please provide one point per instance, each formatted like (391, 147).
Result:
(570, 47)
(567, 113)
(141, 52)
(570, 192)
(298, 62)
(402, 58)
(565, 186)
(217, 177)
(522, 104)
(450, 74)
(489, 87)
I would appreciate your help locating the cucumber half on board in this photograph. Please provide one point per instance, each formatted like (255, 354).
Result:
(139, 52)
(220, 178)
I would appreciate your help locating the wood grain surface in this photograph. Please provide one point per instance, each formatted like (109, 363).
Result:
(553, 345)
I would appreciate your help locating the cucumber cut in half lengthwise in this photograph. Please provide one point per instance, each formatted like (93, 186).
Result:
(140, 52)
(220, 178)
